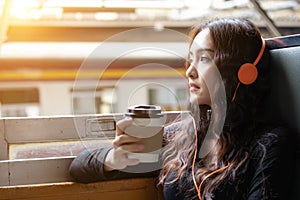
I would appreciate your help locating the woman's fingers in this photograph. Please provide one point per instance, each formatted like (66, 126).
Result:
(124, 139)
(134, 148)
(118, 158)
(123, 144)
(123, 151)
(132, 161)
(115, 159)
(122, 124)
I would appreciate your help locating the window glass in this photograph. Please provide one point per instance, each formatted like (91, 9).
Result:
(19, 102)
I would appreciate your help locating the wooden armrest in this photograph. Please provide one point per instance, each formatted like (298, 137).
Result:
(131, 189)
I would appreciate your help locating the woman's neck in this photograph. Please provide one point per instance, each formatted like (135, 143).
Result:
(205, 112)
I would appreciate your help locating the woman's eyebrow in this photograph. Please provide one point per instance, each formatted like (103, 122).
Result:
(206, 49)
(203, 49)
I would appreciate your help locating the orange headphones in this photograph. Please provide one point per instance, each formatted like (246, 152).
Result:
(248, 72)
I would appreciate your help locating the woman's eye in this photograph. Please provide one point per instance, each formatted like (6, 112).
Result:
(191, 60)
(204, 59)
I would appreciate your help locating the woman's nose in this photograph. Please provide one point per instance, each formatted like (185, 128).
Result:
(191, 72)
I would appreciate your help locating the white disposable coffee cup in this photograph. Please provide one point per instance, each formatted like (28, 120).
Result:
(148, 124)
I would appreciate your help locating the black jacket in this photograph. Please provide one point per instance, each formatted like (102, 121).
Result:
(266, 175)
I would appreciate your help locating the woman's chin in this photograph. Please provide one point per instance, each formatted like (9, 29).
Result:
(194, 100)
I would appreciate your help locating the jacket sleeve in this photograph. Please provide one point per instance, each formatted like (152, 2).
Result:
(273, 164)
(88, 166)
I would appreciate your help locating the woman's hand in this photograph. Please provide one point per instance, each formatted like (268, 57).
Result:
(117, 157)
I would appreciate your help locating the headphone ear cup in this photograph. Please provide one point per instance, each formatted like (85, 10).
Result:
(247, 73)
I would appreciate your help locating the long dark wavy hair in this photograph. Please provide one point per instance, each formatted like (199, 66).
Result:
(236, 41)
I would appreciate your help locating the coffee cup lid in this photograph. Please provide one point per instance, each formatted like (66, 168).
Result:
(144, 111)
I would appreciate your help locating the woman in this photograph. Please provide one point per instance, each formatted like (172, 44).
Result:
(247, 159)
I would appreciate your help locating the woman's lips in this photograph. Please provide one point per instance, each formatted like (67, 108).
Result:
(193, 86)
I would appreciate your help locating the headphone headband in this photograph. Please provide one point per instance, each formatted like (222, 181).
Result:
(248, 72)
(262, 49)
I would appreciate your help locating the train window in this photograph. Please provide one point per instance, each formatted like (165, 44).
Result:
(170, 99)
(19, 102)
(89, 101)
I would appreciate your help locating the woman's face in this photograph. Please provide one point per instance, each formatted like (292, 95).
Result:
(201, 62)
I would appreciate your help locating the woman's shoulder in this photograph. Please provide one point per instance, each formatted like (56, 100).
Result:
(278, 135)
(277, 142)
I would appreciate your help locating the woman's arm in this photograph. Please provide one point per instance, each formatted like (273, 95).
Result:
(112, 163)
(88, 166)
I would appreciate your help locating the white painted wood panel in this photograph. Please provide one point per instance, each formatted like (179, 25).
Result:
(3, 143)
(34, 171)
